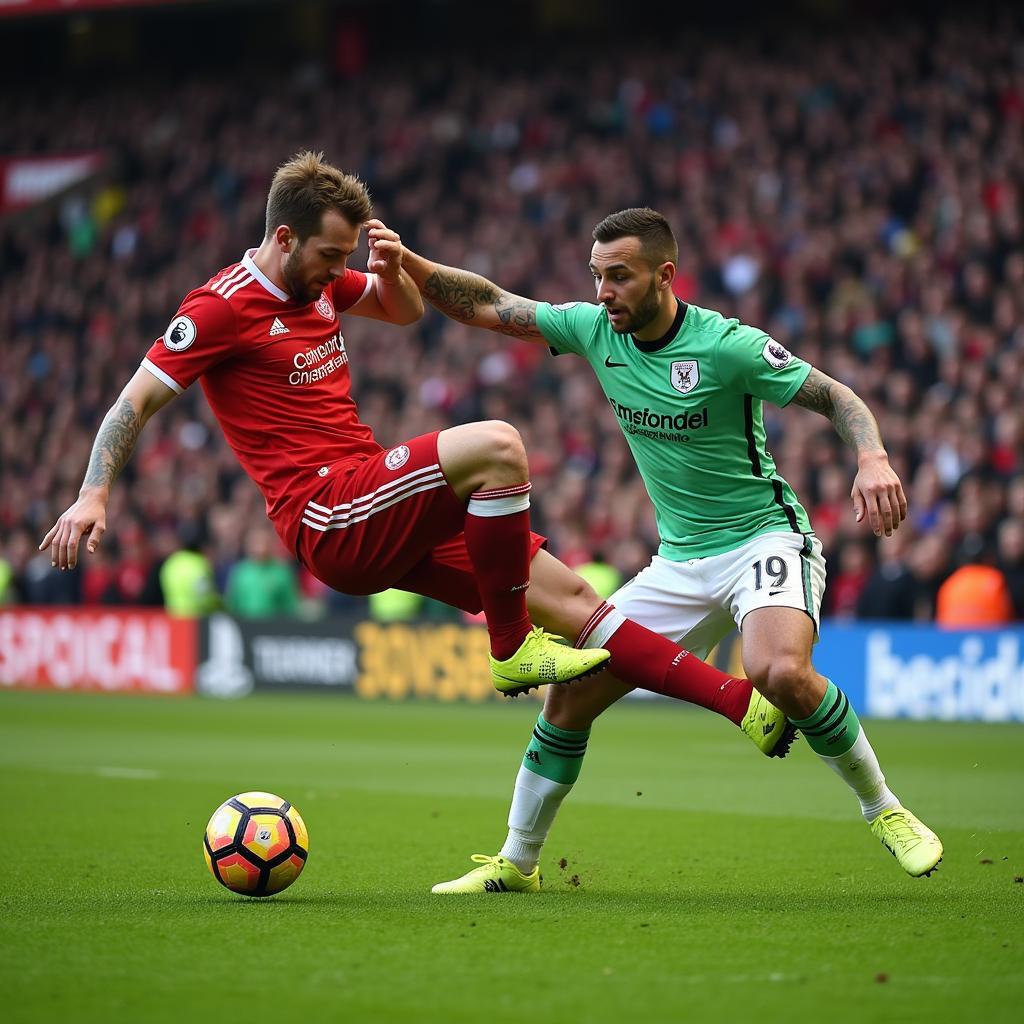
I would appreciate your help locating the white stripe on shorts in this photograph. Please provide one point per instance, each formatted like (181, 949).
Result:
(340, 517)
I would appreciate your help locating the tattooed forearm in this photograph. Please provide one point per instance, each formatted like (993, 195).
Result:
(518, 316)
(457, 294)
(814, 393)
(469, 297)
(853, 421)
(849, 415)
(113, 445)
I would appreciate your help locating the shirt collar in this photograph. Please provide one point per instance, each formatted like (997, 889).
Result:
(250, 264)
(668, 337)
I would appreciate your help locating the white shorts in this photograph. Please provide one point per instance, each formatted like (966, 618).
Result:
(697, 602)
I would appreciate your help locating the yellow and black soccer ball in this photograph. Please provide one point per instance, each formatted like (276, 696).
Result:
(256, 844)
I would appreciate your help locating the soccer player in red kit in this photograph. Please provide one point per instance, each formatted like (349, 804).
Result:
(444, 514)
(264, 338)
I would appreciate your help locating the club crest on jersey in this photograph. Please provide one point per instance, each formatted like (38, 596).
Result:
(776, 355)
(397, 457)
(180, 333)
(685, 375)
(324, 308)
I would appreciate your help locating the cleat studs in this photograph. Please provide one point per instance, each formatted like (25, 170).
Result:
(786, 741)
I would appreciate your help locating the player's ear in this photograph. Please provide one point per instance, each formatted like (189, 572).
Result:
(666, 274)
(286, 239)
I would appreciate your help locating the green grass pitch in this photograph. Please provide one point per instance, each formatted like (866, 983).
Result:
(703, 882)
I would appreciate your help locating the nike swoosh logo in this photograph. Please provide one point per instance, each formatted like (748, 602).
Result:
(772, 593)
(608, 362)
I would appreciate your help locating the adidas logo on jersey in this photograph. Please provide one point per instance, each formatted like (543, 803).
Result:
(277, 328)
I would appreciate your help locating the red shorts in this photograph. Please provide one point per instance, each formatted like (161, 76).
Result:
(393, 520)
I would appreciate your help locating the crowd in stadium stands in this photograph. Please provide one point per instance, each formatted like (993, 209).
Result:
(859, 197)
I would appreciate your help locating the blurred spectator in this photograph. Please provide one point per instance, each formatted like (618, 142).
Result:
(891, 590)
(164, 544)
(41, 583)
(98, 572)
(975, 595)
(845, 588)
(1011, 561)
(262, 584)
(186, 578)
(929, 562)
(19, 552)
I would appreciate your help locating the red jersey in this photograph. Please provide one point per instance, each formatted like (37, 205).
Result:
(276, 376)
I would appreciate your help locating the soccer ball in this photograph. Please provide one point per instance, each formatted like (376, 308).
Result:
(256, 844)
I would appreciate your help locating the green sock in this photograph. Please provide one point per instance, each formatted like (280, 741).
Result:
(552, 764)
(834, 727)
(556, 754)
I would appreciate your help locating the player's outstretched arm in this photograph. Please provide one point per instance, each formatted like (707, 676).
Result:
(142, 396)
(473, 299)
(877, 491)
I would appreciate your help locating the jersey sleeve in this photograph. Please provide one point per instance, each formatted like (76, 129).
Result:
(751, 362)
(350, 288)
(569, 326)
(200, 335)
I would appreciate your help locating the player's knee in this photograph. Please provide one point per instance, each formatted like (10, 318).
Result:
(505, 448)
(780, 675)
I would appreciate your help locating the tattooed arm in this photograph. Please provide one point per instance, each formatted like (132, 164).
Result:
(877, 491)
(87, 517)
(473, 299)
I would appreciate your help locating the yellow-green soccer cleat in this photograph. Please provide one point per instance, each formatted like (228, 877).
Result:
(768, 728)
(542, 659)
(495, 874)
(909, 840)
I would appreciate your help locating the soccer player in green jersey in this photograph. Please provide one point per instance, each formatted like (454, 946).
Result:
(686, 386)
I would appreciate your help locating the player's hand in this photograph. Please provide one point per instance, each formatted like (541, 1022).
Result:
(878, 494)
(86, 518)
(385, 259)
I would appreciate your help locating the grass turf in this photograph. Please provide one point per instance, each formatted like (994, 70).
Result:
(703, 882)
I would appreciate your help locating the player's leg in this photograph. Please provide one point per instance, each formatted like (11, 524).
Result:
(485, 464)
(642, 655)
(641, 626)
(376, 522)
(777, 655)
(554, 756)
(549, 769)
(777, 643)
(446, 575)
(564, 603)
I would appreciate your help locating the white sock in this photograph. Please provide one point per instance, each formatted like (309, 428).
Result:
(535, 802)
(859, 769)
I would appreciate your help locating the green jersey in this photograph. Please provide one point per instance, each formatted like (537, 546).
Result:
(690, 408)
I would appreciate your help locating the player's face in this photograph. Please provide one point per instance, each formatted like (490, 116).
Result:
(626, 284)
(314, 264)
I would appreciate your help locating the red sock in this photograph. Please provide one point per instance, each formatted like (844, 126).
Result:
(646, 659)
(498, 541)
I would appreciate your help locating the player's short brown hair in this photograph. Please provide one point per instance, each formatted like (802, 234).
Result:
(306, 186)
(657, 243)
